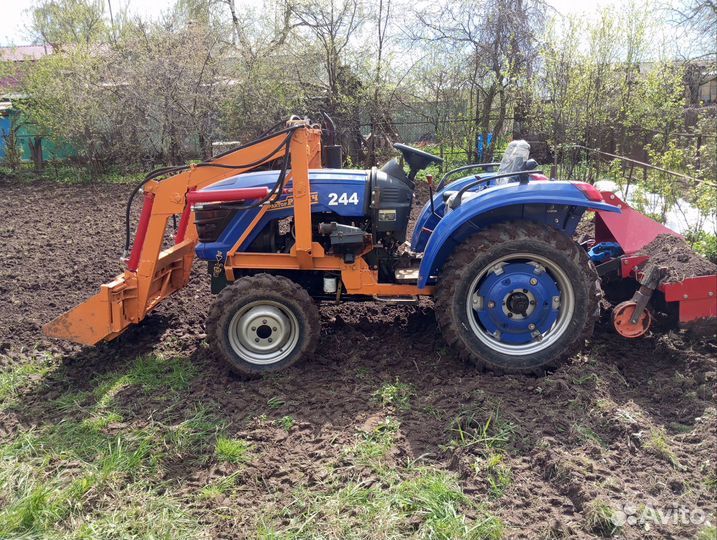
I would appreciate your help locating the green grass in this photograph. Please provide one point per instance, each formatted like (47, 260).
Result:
(150, 372)
(286, 422)
(100, 421)
(195, 434)
(396, 394)
(498, 475)
(375, 445)
(707, 533)
(70, 401)
(425, 504)
(471, 431)
(220, 487)
(599, 518)
(18, 377)
(710, 481)
(275, 402)
(232, 450)
(658, 445)
(585, 433)
(93, 473)
(138, 512)
(42, 494)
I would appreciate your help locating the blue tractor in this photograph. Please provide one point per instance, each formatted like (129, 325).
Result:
(283, 228)
(513, 291)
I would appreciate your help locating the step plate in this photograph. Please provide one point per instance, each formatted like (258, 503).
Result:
(407, 275)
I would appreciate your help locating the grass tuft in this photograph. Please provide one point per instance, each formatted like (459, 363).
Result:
(585, 433)
(220, 487)
(286, 422)
(657, 445)
(375, 445)
(491, 434)
(232, 450)
(396, 394)
(599, 518)
(498, 475)
(275, 402)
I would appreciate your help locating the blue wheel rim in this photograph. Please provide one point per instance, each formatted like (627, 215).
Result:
(520, 304)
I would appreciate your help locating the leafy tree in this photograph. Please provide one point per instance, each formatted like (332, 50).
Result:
(63, 22)
(496, 42)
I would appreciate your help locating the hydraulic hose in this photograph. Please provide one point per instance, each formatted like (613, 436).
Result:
(163, 171)
(128, 209)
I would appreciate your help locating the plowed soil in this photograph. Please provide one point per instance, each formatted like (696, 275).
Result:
(674, 255)
(587, 435)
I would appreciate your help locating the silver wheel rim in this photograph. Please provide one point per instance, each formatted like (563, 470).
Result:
(566, 311)
(263, 332)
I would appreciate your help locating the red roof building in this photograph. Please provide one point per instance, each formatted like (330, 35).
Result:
(19, 55)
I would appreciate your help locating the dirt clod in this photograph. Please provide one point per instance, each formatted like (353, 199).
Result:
(679, 260)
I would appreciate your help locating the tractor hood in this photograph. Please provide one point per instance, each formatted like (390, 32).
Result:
(269, 178)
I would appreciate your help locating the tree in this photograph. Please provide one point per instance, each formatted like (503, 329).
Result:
(331, 23)
(63, 22)
(329, 26)
(557, 101)
(699, 19)
(155, 95)
(496, 42)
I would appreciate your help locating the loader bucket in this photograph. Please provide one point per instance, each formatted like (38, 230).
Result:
(126, 300)
(90, 322)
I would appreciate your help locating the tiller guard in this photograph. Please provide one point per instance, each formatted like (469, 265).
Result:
(696, 297)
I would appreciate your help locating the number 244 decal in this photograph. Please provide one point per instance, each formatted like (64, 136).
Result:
(335, 199)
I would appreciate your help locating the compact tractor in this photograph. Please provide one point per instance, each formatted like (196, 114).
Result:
(283, 227)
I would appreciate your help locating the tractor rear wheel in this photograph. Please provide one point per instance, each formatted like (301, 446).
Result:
(517, 297)
(263, 323)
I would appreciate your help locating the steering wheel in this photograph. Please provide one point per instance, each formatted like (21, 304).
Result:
(416, 159)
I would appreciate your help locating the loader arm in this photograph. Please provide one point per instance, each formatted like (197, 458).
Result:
(154, 274)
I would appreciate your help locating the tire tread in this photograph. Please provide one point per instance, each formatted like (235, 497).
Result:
(457, 269)
(255, 285)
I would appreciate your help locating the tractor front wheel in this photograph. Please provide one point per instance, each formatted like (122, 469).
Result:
(263, 323)
(517, 297)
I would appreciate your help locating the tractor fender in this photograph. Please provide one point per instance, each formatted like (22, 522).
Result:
(559, 204)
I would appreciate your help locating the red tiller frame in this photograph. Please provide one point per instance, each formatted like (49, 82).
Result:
(695, 296)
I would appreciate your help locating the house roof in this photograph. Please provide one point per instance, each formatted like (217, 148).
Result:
(22, 53)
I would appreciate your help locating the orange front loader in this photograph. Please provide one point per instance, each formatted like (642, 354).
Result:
(154, 273)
